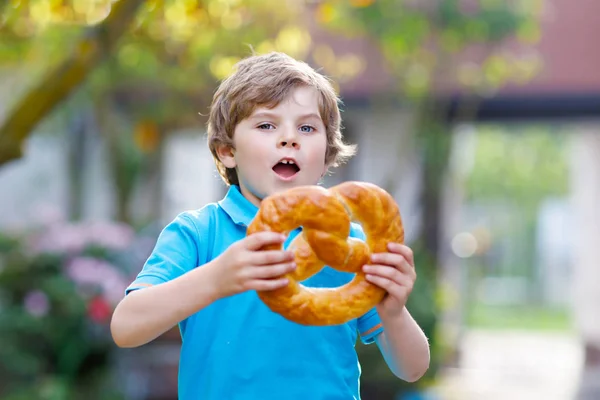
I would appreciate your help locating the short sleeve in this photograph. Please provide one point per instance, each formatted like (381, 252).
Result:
(175, 253)
(369, 325)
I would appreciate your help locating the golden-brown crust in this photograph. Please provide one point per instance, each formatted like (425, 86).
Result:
(325, 217)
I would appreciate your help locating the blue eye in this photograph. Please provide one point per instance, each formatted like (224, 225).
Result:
(307, 129)
(266, 126)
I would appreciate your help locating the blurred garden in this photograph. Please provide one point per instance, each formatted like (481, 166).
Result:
(102, 112)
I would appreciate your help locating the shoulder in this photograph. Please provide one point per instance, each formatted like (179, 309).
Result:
(189, 227)
(200, 215)
(189, 232)
(199, 219)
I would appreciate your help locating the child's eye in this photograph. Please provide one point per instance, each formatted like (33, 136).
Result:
(266, 126)
(307, 129)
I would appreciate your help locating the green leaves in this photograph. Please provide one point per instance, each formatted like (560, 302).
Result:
(431, 44)
(525, 167)
(167, 59)
(58, 286)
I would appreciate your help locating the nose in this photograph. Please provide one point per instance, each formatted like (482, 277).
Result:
(289, 139)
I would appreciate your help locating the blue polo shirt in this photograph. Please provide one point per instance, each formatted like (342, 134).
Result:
(237, 348)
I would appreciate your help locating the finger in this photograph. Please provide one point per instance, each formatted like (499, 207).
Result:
(390, 273)
(393, 289)
(384, 271)
(258, 240)
(271, 271)
(267, 284)
(271, 257)
(405, 251)
(393, 260)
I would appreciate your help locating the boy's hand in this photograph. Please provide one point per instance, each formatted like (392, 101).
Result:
(244, 267)
(395, 272)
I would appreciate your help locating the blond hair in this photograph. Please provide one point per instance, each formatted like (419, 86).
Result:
(264, 81)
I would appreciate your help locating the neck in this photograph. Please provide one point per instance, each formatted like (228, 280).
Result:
(249, 195)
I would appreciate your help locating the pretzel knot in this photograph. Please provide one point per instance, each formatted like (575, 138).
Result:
(325, 217)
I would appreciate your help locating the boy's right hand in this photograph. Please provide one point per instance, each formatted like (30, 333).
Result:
(243, 266)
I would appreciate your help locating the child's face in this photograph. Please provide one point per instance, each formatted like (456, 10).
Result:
(279, 148)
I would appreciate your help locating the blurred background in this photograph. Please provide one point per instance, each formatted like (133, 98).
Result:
(481, 117)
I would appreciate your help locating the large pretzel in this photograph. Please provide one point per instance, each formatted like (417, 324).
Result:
(325, 217)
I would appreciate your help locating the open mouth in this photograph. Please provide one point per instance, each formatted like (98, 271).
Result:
(286, 168)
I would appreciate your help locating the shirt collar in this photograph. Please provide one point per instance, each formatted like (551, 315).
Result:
(239, 209)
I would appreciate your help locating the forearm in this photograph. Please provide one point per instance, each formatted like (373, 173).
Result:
(147, 313)
(404, 346)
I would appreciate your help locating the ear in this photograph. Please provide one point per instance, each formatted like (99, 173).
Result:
(226, 155)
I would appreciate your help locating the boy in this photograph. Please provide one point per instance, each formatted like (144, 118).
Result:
(274, 124)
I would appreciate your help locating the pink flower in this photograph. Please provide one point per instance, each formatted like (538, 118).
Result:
(36, 303)
(99, 310)
(89, 271)
(469, 7)
(111, 235)
(71, 238)
(60, 238)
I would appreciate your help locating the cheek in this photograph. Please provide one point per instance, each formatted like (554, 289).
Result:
(317, 159)
(255, 156)
(319, 151)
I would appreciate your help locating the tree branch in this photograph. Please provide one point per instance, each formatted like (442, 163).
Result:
(93, 48)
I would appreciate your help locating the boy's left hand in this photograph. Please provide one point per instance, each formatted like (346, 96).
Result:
(395, 272)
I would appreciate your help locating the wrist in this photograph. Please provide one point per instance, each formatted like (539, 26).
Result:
(397, 313)
(207, 279)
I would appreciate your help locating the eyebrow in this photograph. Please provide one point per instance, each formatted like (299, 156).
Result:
(266, 114)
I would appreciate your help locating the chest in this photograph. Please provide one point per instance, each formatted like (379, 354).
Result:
(246, 310)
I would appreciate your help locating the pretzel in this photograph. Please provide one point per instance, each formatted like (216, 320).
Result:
(325, 217)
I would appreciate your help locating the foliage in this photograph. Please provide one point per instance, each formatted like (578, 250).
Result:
(526, 167)
(159, 77)
(169, 57)
(64, 78)
(58, 287)
(511, 174)
(500, 318)
(434, 46)
(167, 66)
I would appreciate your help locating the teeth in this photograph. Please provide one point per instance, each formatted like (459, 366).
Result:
(287, 162)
